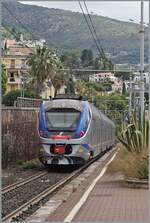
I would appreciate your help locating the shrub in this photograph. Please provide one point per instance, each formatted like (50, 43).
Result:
(134, 136)
(29, 165)
(131, 165)
(10, 97)
(19, 162)
(142, 171)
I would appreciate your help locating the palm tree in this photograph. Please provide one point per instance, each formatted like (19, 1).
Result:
(43, 65)
(59, 79)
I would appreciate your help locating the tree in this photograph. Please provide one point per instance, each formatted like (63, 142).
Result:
(87, 57)
(43, 65)
(84, 56)
(11, 97)
(59, 79)
(102, 63)
(123, 74)
(71, 59)
(97, 63)
(70, 87)
(4, 80)
(90, 57)
(124, 91)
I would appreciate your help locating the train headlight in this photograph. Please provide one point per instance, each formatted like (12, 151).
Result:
(80, 134)
(43, 134)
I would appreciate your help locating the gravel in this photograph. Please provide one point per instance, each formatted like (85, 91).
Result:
(14, 199)
(13, 175)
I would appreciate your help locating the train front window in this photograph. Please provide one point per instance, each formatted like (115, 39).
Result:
(62, 119)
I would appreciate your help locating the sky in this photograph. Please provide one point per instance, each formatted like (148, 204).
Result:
(119, 10)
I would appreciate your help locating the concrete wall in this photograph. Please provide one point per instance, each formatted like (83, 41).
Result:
(19, 135)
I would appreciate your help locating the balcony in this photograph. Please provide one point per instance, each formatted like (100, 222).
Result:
(14, 80)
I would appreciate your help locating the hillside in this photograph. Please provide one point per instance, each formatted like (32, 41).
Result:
(67, 30)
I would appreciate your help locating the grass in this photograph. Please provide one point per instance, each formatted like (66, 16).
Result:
(131, 165)
(28, 165)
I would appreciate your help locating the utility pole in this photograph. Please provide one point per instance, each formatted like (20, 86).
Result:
(149, 84)
(130, 98)
(142, 62)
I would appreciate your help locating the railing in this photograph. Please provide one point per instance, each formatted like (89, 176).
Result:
(27, 102)
(14, 80)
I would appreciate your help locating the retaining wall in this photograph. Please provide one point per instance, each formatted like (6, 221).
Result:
(19, 135)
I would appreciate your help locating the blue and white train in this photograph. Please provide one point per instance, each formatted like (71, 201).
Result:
(72, 131)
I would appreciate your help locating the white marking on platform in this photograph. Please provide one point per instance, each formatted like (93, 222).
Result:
(83, 199)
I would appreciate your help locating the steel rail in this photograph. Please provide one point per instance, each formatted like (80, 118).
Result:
(23, 182)
(48, 191)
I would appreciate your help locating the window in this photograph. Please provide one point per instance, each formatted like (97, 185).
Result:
(12, 78)
(62, 119)
(23, 62)
(12, 63)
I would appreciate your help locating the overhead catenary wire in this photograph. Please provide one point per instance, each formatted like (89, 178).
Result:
(97, 39)
(10, 12)
(12, 33)
(87, 22)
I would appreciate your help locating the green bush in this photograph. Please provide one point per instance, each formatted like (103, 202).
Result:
(29, 165)
(19, 162)
(142, 171)
(10, 97)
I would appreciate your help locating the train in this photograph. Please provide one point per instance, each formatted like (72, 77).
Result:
(72, 131)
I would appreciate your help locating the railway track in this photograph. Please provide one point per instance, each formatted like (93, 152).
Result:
(47, 192)
(23, 182)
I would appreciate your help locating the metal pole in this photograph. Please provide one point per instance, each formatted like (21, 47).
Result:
(149, 85)
(149, 94)
(142, 62)
(23, 89)
(21, 92)
(130, 98)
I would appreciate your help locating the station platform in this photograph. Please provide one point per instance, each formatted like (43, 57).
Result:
(104, 198)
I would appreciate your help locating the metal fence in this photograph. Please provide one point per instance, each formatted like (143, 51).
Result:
(19, 135)
(27, 102)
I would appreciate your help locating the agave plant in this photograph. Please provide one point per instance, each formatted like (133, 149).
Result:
(134, 136)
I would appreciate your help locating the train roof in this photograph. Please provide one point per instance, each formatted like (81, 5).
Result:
(64, 103)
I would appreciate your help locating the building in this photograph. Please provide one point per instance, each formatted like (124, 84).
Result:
(136, 81)
(102, 77)
(107, 77)
(14, 58)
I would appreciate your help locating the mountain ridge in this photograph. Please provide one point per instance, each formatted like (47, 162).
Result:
(67, 30)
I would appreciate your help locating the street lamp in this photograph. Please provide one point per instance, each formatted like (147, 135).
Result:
(23, 80)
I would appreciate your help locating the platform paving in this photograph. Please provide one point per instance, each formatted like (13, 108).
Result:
(110, 200)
